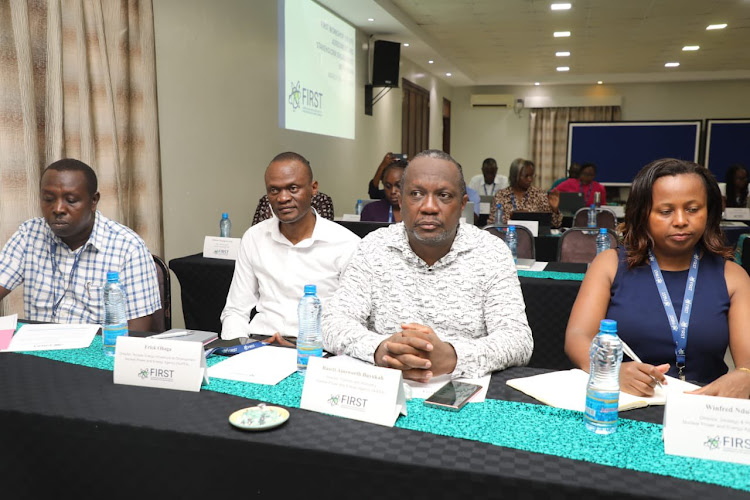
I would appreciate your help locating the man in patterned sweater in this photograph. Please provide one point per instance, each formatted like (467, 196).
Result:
(430, 296)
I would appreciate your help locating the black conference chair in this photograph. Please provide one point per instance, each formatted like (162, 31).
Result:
(526, 248)
(604, 218)
(578, 244)
(161, 320)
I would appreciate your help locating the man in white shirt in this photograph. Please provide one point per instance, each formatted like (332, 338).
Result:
(488, 182)
(431, 296)
(280, 255)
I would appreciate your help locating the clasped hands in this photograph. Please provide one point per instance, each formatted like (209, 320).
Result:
(418, 352)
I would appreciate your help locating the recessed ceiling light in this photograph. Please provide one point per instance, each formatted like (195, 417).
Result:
(599, 82)
(671, 65)
(563, 68)
(370, 19)
(536, 83)
(406, 45)
(562, 54)
(430, 61)
(691, 47)
(560, 34)
(716, 26)
(448, 74)
(560, 6)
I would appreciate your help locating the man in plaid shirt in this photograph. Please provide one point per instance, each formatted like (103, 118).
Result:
(63, 258)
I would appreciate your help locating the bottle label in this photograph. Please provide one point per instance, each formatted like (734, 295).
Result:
(111, 332)
(601, 407)
(304, 353)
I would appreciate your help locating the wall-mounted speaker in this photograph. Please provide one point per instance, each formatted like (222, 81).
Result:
(385, 59)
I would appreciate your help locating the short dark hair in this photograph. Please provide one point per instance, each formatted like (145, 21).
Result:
(400, 163)
(732, 194)
(489, 163)
(639, 204)
(292, 156)
(73, 165)
(441, 155)
(587, 165)
(516, 167)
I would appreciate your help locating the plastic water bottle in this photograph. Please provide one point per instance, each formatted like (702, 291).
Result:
(602, 240)
(225, 226)
(309, 339)
(603, 389)
(115, 322)
(499, 214)
(592, 216)
(511, 239)
(358, 208)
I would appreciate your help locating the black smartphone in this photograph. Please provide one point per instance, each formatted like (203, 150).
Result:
(401, 156)
(453, 395)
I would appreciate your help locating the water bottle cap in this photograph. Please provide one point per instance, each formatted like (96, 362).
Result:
(359, 201)
(511, 228)
(593, 205)
(499, 205)
(602, 230)
(311, 289)
(113, 276)
(608, 326)
(225, 215)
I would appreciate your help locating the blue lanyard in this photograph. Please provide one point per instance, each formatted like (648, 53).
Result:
(484, 186)
(55, 268)
(390, 213)
(679, 329)
(513, 199)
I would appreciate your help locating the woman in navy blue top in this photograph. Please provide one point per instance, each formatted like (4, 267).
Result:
(673, 253)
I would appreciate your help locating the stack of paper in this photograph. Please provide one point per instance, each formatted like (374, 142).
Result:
(567, 389)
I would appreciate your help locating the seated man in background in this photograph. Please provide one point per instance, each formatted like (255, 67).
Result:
(389, 208)
(321, 202)
(430, 296)
(488, 182)
(63, 258)
(373, 187)
(573, 172)
(280, 255)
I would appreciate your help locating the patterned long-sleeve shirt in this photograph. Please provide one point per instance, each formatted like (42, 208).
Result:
(471, 298)
(535, 200)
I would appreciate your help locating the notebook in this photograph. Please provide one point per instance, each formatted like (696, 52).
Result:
(567, 389)
(571, 202)
(525, 263)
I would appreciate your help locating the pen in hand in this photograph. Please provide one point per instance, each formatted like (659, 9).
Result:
(632, 355)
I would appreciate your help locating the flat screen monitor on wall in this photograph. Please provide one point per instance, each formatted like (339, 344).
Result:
(316, 70)
(727, 143)
(620, 149)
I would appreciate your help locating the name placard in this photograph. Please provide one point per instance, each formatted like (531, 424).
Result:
(221, 248)
(351, 218)
(707, 427)
(167, 364)
(731, 213)
(531, 225)
(366, 393)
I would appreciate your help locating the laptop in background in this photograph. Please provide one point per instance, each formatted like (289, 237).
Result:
(543, 218)
(485, 202)
(468, 213)
(571, 202)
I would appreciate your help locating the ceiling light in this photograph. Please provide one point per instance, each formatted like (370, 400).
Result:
(691, 47)
(562, 54)
(671, 65)
(563, 68)
(536, 83)
(406, 45)
(448, 74)
(716, 26)
(559, 34)
(430, 61)
(599, 82)
(370, 19)
(560, 6)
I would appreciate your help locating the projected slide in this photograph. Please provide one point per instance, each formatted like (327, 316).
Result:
(316, 70)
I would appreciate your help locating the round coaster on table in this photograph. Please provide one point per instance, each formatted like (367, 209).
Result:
(259, 418)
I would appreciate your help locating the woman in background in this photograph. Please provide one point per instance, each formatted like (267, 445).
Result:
(737, 186)
(585, 184)
(521, 196)
(673, 250)
(389, 208)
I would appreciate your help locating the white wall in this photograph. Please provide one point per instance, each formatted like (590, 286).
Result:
(500, 133)
(217, 82)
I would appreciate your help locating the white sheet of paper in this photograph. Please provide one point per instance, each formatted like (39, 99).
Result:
(45, 337)
(421, 390)
(8, 322)
(267, 365)
(538, 266)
